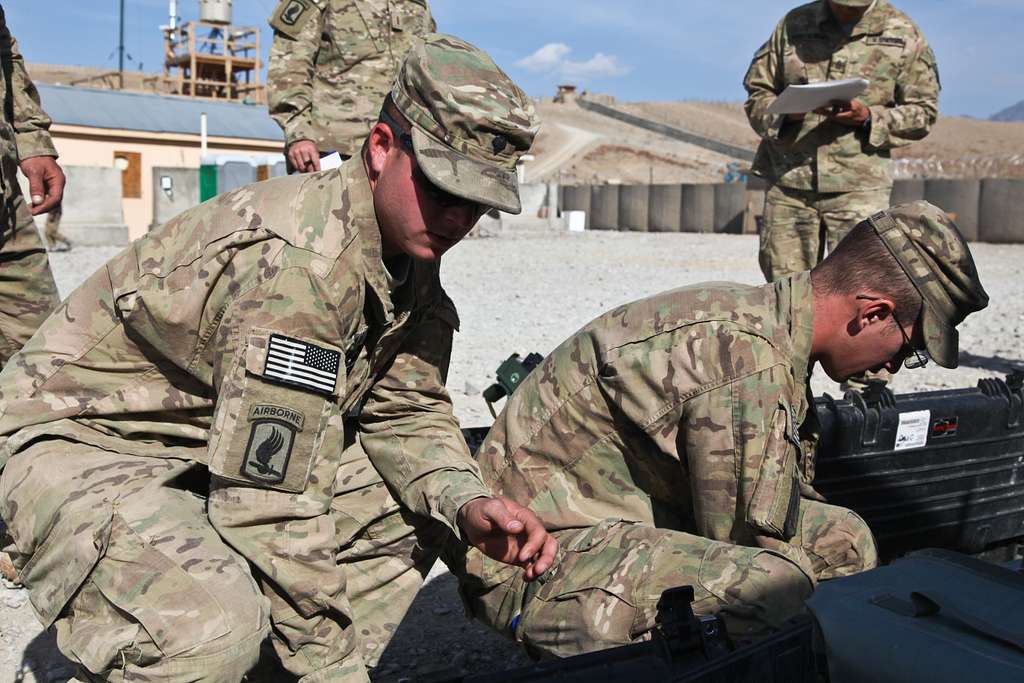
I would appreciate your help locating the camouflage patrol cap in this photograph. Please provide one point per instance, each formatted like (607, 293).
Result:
(932, 252)
(470, 122)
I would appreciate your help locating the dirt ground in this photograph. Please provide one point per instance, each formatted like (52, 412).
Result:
(512, 296)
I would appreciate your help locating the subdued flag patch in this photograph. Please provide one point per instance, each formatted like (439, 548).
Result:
(302, 364)
(268, 451)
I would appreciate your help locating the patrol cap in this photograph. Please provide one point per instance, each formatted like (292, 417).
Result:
(934, 255)
(470, 122)
(853, 3)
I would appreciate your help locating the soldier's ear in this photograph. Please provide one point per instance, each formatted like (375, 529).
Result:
(378, 146)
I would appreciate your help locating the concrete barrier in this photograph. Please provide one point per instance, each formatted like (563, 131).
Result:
(1001, 218)
(93, 216)
(604, 207)
(576, 198)
(961, 199)
(904, 191)
(232, 175)
(179, 192)
(634, 207)
(755, 210)
(665, 204)
(698, 208)
(730, 205)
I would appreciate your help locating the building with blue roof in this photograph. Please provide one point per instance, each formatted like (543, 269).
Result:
(137, 132)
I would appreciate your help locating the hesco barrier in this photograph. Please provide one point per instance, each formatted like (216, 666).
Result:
(634, 207)
(730, 204)
(904, 191)
(988, 210)
(1001, 215)
(665, 211)
(960, 199)
(576, 198)
(698, 213)
(604, 207)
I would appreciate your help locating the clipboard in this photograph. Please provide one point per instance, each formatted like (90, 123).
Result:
(800, 99)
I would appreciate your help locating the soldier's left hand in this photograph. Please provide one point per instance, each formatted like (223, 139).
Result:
(510, 533)
(855, 116)
(45, 183)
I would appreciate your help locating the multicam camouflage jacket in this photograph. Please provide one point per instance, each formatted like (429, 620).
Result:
(240, 335)
(22, 111)
(809, 46)
(684, 410)
(332, 63)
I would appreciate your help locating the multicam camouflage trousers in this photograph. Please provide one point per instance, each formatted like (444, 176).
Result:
(800, 224)
(28, 293)
(118, 554)
(604, 589)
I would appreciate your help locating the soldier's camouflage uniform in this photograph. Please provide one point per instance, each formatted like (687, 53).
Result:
(195, 445)
(667, 443)
(333, 61)
(27, 290)
(826, 176)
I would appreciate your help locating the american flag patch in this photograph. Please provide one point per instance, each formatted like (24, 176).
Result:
(302, 364)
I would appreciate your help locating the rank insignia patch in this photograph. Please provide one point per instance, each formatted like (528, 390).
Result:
(268, 451)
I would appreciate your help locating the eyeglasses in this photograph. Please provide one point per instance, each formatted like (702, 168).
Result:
(915, 358)
(442, 198)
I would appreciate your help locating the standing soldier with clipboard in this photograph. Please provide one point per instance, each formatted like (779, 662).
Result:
(331, 64)
(828, 170)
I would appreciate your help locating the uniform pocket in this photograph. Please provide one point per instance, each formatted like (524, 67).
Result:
(174, 608)
(585, 564)
(60, 564)
(274, 410)
(774, 506)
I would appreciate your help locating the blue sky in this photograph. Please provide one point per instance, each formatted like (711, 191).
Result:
(648, 50)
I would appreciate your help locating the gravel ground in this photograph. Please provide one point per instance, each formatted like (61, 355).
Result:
(528, 293)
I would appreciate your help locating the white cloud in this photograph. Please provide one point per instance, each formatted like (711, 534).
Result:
(598, 66)
(546, 58)
(553, 58)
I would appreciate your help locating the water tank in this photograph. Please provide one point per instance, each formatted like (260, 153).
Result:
(215, 11)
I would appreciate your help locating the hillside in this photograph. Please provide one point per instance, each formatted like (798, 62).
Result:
(956, 147)
(1014, 112)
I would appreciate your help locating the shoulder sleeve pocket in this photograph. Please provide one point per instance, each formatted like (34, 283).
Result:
(275, 411)
(775, 503)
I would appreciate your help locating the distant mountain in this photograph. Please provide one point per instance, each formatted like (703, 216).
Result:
(1012, 113)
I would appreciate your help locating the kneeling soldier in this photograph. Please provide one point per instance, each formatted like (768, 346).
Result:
(671, 441)
(201, 446)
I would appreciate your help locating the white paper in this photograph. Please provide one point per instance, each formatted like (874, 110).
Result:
(332, 160)
(800, 99)
(913, 429)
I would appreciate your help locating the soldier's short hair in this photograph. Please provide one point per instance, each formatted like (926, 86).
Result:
(862, 263)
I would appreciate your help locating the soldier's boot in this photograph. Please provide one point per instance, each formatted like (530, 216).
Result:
(7, 569)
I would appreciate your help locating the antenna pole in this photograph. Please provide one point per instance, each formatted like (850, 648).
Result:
(120, 47)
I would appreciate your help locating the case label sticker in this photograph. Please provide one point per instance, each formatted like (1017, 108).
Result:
(913, 429)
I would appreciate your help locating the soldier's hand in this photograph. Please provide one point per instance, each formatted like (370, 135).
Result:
(45, 183)
(510, 533)
(854, 115)
(304, 156)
